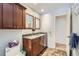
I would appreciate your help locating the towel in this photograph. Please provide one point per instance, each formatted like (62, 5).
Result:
(74, 40)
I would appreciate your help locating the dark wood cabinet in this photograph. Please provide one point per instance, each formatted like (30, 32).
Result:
(35, 46)
(18, 16)
(0, 15)
(12, 16)
(41, 42)
(7, 15)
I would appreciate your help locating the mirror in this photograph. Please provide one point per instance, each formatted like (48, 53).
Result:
(29, 21)
(37, 23)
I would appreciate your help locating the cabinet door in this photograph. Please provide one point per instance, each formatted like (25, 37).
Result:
(41, 43)
(35, 47)
(27, 46)
(18, 17)
(7, 15)
(0, 15)
(45, 40)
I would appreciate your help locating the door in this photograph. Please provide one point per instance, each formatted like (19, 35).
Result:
(60, 29)
(41, 43)
(7, 15)
(63, 31)
(0, 15)
(36, 46)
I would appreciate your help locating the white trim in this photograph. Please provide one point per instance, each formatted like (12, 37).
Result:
(68, 28)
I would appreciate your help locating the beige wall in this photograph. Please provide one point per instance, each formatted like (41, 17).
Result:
(46, 21)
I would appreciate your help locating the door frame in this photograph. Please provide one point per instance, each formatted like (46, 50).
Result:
(68, 29)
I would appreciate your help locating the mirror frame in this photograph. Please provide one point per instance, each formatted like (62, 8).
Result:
(39, 23)
(32, 21)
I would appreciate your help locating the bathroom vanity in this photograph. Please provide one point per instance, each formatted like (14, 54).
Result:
(35, 43)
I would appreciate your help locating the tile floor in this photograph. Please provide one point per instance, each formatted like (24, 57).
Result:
(60, 50)
(54, 52)
(61, 46)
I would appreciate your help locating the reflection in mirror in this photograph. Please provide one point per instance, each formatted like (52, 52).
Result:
(29, 21)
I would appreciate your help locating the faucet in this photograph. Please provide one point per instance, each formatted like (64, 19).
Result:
(33, 29)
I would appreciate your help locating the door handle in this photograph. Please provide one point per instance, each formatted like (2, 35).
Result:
(69, 36)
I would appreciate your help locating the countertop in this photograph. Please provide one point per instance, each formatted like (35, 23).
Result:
(33, 36)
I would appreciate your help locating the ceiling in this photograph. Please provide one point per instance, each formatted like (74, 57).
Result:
(46, 6)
